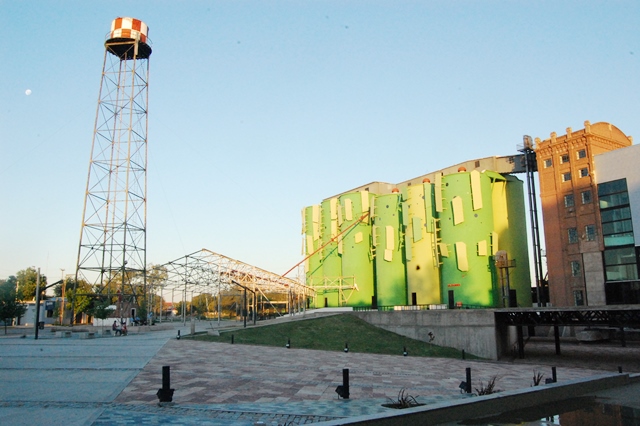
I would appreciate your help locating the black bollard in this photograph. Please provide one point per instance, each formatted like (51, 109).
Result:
(404, 351)
(165, 393)
(468, 383)
(620, 369)
(178, 336)
(463, 355)
(343, 389)
(232, 339)
(288, 345)
(554, 376)
(346, 347)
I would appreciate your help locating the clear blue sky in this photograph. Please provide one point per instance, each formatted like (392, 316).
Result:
(260, 108)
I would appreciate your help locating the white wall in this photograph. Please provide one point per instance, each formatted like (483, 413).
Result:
(618, 164)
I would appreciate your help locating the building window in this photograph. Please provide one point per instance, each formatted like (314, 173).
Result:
(576, 269)
(566, 177)
(578, 297)
(587, 198)
(581, 154)
(584, 172)
(590, 232)
(573, 235)
(564, 158)
(568, 200)
(617, 231)
(548, 163)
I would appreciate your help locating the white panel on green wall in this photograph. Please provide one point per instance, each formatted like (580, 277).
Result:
(482, 248)
(364, 198)
(389, 237)
(388, 255)
(476, 190)
(333, 205)
(458, 210)
(444, 251)
(358, 237)
(461, 256)
(348, 209)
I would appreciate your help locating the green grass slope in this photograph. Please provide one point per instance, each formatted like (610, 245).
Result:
(330, 334)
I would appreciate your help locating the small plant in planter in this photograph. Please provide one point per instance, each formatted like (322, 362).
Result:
(537, 377)
(489, 388)
(404, 400)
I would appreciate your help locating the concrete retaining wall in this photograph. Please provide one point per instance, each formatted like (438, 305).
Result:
(473, 330)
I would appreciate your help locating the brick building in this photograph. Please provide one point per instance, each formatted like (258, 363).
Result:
(573, 227)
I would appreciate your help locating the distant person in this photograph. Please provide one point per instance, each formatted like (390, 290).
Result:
(124, 329)
(116, 328)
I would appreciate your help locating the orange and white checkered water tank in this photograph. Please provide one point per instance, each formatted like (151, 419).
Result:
(129, 28)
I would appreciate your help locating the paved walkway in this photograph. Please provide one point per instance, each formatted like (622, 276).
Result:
(114, 380)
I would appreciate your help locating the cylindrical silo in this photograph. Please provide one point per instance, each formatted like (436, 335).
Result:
(330, 295)
(423, 274)
(467, 234)
(355, 244)
(391, 288)
(510, 224)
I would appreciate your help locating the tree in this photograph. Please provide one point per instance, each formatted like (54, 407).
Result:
(204, 303)
(101, 309)
(80, 299)
(27, 281)
(10, 307)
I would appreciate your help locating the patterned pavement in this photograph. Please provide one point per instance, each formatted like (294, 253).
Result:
(113, 381)
(220, 383)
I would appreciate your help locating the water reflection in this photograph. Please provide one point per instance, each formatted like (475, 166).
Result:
(584, 411)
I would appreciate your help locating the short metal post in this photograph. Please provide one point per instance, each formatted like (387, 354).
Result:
(463, 354)
(554, 376)
(165, 393)
(468, 382)
(345, 383)
(620, 369)
(232, 339)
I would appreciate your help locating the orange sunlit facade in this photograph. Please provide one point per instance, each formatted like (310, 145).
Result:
(572, 225)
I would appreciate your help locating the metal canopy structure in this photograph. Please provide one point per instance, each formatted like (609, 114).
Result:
(205, 271)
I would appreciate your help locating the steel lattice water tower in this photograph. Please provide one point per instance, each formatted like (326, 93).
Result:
(112, 249)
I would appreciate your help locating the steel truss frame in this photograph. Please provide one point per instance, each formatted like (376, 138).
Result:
(342, 285)
(206, 271)
(114, 219)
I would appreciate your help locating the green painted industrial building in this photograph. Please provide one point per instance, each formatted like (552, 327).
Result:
(448, 237)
